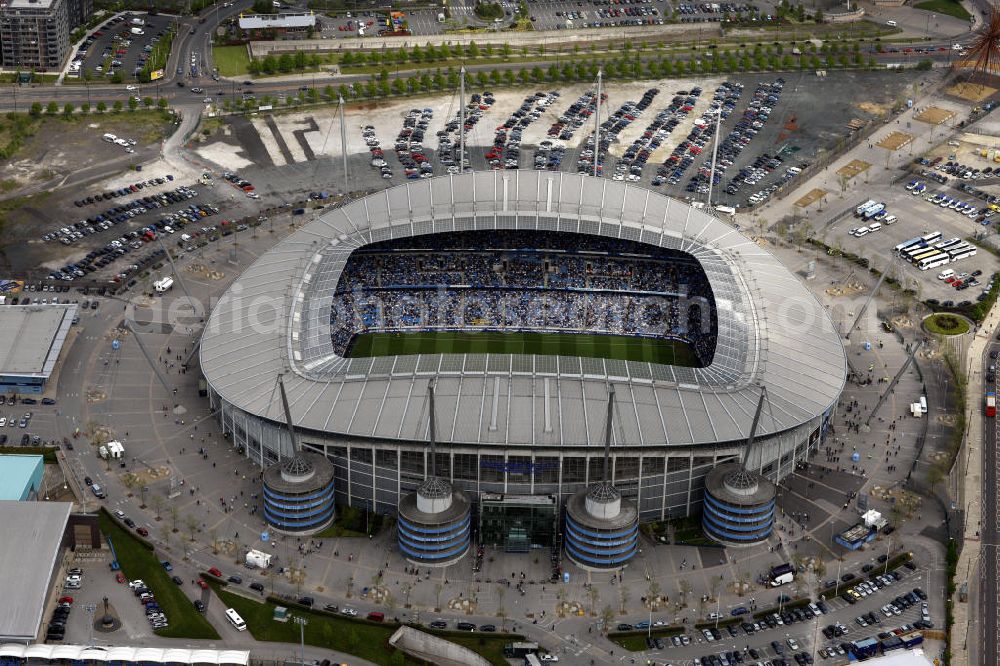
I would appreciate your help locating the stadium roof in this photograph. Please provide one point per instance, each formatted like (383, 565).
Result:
(17, 475)
(772, 331)
(132, 655)
(31, 337)
(27, 563)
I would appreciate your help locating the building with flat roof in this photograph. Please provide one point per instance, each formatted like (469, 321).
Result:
(21, 477)
(31, 338)
(278, 22)
(28, 564)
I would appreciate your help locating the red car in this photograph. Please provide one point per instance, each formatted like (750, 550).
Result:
(65, 600)
(120, 577)
(142, 531)
(202, 584)
(215, 572)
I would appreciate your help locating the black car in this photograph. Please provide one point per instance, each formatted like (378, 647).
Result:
(305, 601)
(439, 624)
(257, 586)
(867, 567)
(465, 626)
(177, 580)
(128, 521)
(778, 648)
(87, 480)
(487, 627)
(199, 605)
(624, 627)
(847, 577)
(920, 593)
(239, 581)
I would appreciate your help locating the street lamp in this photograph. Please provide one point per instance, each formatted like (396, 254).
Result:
(302, 622)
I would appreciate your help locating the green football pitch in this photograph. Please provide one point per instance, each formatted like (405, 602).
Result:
(615, 347)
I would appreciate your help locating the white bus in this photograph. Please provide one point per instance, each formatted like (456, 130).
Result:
(934, 261)
(964, 254)
(914, 251)
(235, 619)
(945, 244)
(932, 237)
(958, 247)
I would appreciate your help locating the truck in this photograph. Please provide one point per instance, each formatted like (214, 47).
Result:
(861, 209)
(783, 579)
(872, 211)
(991, 404)
(258, 559)
(137, 31)
(163, 285)
(782, 574)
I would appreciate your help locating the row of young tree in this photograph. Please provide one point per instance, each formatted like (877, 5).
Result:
(37, 110)
(472, 51)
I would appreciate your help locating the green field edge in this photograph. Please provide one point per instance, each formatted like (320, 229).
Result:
(611, 347)
(361, 638)
(138, 561)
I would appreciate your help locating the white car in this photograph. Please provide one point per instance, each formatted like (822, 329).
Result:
(792, 643)
(137, 583)
(3, 421)
(347, 610)
(131, 87)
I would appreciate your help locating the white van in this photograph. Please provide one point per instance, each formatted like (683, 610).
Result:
(861, 232)
(110, 138)
(945, 274)
(235, 619)
(891, 24)
(890, 220)
(874, 227)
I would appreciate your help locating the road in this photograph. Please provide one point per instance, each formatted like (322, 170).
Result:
(989, 617)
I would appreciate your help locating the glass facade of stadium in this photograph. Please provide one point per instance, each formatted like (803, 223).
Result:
(664, 482)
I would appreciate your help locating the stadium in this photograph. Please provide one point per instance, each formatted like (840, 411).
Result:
(523, 296)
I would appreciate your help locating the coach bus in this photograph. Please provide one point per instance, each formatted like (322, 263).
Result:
(909, 244)
(235, 619)
(934, 261)
(917, 257)
(962, 252)
(945, 244)
(932, 237)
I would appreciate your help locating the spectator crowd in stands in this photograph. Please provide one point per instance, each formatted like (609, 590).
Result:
(515, 280)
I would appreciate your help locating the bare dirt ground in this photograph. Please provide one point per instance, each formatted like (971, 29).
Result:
(59, 161)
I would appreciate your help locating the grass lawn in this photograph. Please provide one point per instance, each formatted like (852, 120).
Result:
(351, 523)
(949, 7)
(231, 60)
(635, 641)
(615, 347)
(367, 640)
(946, 324)
(137, 561)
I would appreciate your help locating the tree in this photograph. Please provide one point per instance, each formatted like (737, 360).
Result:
(652, 592)
(147, 101)
(36, 110)
(501, 613)
(350, 586)
(607, 615)
(818, 16)
(438, 588)
(133, 103)
(263, 7)
(162, 104)
(174, 517)
(191, 523)
(52, 108)
(593, 595)
(85, 108)
(285, 62)
(685, 586)
(157, 503)
(622, 598)
(407, 590)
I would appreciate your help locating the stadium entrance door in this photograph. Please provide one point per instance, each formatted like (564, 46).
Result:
(517, 523)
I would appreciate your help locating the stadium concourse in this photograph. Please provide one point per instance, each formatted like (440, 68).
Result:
(529, 252)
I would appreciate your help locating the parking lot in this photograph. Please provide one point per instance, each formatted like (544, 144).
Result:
(115, 48)
(916, 217)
